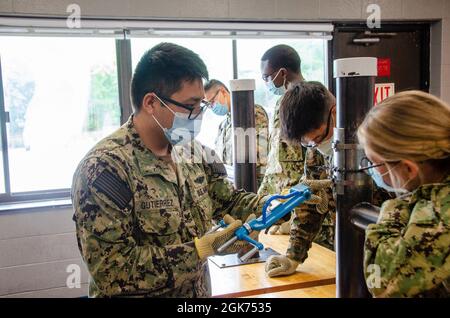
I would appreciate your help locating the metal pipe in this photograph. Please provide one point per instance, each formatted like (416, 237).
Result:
(355, 80)
(124, 73)
(364, 214)
(244, 134)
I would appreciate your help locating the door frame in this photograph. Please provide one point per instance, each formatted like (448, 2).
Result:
(423, 27)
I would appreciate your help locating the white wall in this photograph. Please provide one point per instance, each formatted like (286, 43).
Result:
(36, 247)
(266, 10)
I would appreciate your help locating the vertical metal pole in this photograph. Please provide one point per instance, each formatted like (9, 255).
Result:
(235, 58)
(244, 134)
(124, 73)
(4, 138)
(355, 80)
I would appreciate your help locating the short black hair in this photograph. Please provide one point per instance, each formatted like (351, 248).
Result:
(163, 69)
(303, 108)
(213, 83)
(283, 56)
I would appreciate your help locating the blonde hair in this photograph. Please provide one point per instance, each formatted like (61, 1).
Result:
(411, 125)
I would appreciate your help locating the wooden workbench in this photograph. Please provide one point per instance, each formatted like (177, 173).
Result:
(325, 291)
(252, 280)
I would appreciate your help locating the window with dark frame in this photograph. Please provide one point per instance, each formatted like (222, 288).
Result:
(59, 95)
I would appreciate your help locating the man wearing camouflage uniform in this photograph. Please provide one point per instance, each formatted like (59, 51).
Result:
(219, 97)
(308, 115)
(280, 67)
(144, 201)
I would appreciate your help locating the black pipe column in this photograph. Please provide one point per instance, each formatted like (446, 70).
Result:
(355, 80)
(244, 134)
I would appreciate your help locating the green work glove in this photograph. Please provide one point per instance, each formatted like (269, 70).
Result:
(208, 244)
(280, 265)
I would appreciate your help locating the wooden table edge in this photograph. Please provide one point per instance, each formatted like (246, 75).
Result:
(274, 289)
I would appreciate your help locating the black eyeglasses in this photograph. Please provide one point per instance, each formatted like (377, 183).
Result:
(266, 77)
(211, 101)
(315, 143)
(367, 166)
(194, 113)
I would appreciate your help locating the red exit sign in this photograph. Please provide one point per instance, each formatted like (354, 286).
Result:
(383, 91)
(384, 67)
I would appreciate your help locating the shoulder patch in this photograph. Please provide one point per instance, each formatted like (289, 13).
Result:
(218, 168)
(213, 161)
(113, 188)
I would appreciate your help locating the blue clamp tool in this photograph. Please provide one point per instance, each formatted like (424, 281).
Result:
(297, 195)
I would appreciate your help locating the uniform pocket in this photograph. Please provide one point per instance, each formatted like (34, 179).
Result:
(158, 221)
(200, 197)
(202, 207)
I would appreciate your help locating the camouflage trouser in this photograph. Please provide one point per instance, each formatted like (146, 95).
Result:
(326, 235)
(200, 288)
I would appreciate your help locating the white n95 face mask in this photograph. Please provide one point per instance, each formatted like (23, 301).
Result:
(325, 147)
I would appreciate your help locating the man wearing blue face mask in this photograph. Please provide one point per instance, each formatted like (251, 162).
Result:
(143, 208)
(281, 67)
(218, 96)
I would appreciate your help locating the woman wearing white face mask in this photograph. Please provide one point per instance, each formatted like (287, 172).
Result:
(407, 139)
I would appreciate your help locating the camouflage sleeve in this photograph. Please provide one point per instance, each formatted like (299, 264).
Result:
(285, 163)
(308, 222)
(262, 142)
(107, 236)
(226, 199)
(305, 226)
(406, 252)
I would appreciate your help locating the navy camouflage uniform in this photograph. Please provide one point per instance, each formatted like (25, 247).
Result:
(136, 216)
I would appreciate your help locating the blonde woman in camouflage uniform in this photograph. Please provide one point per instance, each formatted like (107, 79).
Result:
(407, 140)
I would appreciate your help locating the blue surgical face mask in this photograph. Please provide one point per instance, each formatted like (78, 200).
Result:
(276, 90)
(377, 177)
(220, 109)
(183, 130)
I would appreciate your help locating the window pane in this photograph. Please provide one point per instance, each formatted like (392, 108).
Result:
(218, 57)
(62, 97)
(2, 171)
(2, 174)
(250, 51)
